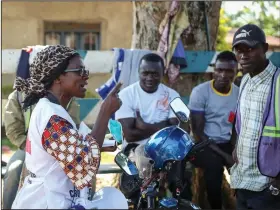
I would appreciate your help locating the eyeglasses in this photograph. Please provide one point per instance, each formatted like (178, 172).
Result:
(82, 71)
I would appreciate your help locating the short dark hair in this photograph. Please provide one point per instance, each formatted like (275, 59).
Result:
(152, 57)
(226, 55)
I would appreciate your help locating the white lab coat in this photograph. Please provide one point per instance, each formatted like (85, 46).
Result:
(48, 187)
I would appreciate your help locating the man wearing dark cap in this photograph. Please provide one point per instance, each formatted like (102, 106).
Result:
(256, 186)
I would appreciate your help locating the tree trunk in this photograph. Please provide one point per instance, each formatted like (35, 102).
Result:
(197, 39)
(147, 18)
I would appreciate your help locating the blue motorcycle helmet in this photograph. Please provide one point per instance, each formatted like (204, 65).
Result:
(168, 144)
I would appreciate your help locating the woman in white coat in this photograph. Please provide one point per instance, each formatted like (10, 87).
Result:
(62, 162)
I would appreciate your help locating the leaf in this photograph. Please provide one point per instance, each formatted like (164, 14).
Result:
(265, 19)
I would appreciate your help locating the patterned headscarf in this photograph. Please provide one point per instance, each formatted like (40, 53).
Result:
(45, 68)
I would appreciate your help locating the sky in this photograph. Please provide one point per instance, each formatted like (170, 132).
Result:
(233, 7)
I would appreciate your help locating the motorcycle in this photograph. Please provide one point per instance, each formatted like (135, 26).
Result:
(155, 159)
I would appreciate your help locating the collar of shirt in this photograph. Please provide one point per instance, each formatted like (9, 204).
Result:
(52, 98)
(219, 93)
(267, 72)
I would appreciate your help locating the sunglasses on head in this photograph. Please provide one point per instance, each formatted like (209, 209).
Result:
(82, 71)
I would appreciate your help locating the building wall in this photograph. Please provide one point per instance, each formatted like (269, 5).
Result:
(23, 22)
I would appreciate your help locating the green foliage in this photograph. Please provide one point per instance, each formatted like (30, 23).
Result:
(264, 19)
(6, 90)
(6, 142)
(221, 44)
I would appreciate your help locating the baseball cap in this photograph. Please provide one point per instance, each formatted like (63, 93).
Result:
(250, 35)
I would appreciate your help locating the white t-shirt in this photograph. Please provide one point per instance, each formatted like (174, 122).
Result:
(153, 107)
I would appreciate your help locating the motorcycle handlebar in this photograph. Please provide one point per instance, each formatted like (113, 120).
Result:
(144, 186)
(198, 147)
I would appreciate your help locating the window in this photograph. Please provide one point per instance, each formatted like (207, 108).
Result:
(79, 36)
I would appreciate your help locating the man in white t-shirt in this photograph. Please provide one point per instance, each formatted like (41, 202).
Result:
(145, 104)
(145, 109)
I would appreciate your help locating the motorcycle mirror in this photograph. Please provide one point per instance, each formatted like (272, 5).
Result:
(125, 164)
(115, 129)
(180, 109)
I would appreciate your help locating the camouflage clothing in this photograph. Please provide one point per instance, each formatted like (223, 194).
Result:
(14, 120)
